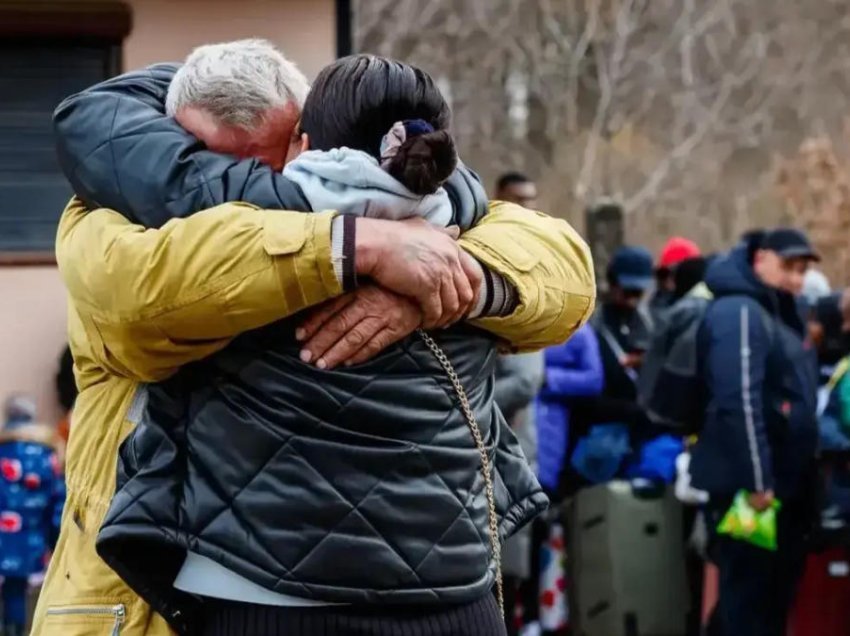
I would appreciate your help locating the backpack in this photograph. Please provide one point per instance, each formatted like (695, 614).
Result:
(669, 386)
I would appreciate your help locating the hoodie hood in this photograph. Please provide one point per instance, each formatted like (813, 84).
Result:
(733, 275)
(352, 182)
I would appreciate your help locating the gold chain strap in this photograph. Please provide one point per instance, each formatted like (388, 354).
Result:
(495, 544)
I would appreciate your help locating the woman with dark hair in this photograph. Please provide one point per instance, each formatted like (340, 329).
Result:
(370, 499)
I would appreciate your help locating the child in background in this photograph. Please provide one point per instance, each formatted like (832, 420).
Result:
(32, 493)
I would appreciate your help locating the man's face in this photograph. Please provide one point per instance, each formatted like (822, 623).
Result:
(665, 280)
(268, 142)
(523, 193)
(785, 274)
(626, 299)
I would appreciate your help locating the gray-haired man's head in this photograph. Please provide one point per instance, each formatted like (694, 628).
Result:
(242, 98)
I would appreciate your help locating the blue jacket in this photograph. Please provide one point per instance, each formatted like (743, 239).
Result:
(760, 430)
(573, 369)
(32, 493)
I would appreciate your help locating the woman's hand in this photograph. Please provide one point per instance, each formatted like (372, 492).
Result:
(356, 327)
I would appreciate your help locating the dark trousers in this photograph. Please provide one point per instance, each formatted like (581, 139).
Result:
(15, 603)
(480, 618)
(757, 587)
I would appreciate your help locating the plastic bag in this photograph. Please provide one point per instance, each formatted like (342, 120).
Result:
(745, 523)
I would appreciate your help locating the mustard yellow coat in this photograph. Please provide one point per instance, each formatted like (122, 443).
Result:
(145, 302)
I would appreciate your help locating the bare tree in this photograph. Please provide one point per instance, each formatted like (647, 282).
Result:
(816, 185)
(675, 108)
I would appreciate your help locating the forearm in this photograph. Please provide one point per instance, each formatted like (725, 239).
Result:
(161, 298)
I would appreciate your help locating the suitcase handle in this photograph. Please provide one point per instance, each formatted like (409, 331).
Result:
(645, 489)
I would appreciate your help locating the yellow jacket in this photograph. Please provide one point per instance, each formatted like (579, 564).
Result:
(145, 302)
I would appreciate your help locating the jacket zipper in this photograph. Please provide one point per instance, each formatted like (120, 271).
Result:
(118, 611)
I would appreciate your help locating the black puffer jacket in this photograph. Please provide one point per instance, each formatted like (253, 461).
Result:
(358, 486)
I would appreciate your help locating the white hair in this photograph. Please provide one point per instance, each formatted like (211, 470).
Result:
(237, 82)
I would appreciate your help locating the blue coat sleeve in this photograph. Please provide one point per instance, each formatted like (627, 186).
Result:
(735, 366)
(586, 378)
(119, 150)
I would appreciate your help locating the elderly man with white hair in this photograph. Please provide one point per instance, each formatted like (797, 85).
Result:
(165, 268)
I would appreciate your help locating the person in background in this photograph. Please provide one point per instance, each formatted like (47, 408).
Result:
(518, 379)
(573, 370)
(515, 187)
(815, 286)
(689, 274)
(760, 432)
(66, 388)
(834, 402)
(624, 329)
(674, 252)
(31, 500)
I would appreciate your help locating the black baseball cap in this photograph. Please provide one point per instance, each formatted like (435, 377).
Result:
(789, 242)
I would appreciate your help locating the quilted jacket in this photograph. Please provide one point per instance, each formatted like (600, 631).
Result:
(357, 486)
(554, 281)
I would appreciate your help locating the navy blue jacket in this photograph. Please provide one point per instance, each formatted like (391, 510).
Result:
(760, 431)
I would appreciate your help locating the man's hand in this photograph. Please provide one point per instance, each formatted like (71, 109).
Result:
(761, 501)
(356, 327)
(632, 360)
(418, 260)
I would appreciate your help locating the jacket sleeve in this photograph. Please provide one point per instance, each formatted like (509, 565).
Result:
(736, 362)
(518, 379)
(586, 379)
(119, 150)
(549, 266)
(154, 300)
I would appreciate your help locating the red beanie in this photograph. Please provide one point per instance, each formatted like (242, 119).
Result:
(676, 250)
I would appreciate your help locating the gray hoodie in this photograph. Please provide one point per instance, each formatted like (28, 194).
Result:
(352, 182)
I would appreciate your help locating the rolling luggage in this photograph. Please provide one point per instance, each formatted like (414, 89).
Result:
(627, 562)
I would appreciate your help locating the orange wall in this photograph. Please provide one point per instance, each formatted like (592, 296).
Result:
(32, 333)
(32, 299)
(166, 30)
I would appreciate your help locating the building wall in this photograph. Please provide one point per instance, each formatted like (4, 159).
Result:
(305, 30)
(32, 333)
(32, 299)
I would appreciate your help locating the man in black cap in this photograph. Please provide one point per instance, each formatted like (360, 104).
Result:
(622, 325)
(760, 430)
(623, 329)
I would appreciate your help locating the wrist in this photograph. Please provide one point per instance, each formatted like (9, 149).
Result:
(368, 245)
(496, 296)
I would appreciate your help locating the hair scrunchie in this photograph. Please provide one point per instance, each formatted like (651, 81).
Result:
(400, 132)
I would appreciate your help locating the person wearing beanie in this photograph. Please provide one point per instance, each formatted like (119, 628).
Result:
(675, 251)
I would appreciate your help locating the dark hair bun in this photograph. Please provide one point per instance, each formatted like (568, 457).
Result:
(423, 163)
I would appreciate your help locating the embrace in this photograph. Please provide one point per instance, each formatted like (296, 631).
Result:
(286, 306)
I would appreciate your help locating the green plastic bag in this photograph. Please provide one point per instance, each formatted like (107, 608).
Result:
(745, 523)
